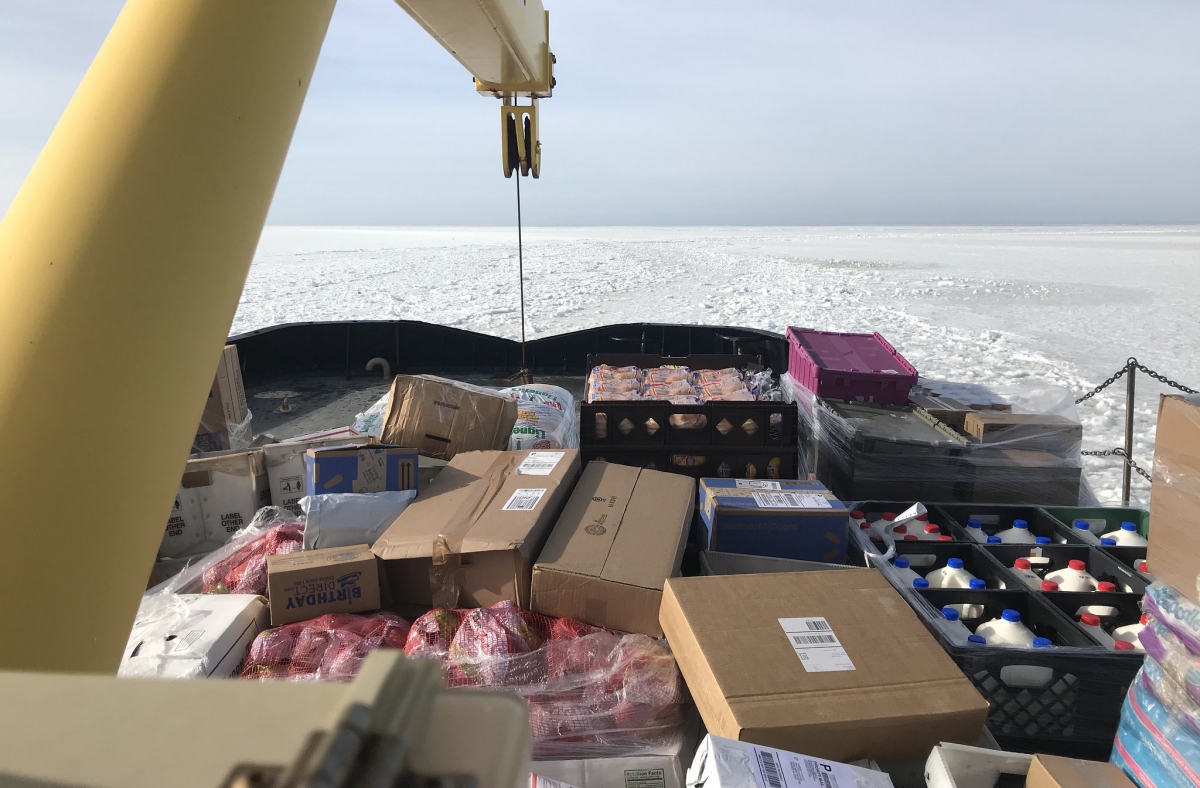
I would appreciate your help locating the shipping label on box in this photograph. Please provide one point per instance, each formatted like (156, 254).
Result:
(217, 497)
(315, 582)
(285, 466)
(360, 469)
(789, 519)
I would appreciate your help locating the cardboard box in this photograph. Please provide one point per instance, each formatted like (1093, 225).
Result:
(783, 519)
(1030, 431)
(444, 417)
(834, 665)
(285, 466)
(359, 469)
(315, 582)
(488, 513)
(660, 770)
(944, 409)
(208, 637)
(218, 495)
(226, 404)
(1174, 553)
(1051, 771)
(621, 535)
(726, 763)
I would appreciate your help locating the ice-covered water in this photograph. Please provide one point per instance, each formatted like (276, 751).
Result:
(993, 306)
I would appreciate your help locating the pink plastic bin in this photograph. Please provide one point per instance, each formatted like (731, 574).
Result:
(849, 366)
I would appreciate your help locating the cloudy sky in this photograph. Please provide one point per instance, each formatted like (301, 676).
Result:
(702, 112)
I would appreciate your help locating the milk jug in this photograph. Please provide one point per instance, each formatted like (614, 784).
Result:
(1049, 585)
(1127, 536)
(977, 640)
(1096, 527)
(1018, 534)
(1091, 623)
(975, 529)
(1074, 578)
(929, 533)
(1024, 570)
(1084, 531)
(880, 526)
(952, 575)
(858, 520)
(994, 540)
(1042, 540)
(953, 625)
(1129, 633)
(1006, 630)
(903, 568)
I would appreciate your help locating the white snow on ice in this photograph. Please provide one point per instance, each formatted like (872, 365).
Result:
(1006, 308)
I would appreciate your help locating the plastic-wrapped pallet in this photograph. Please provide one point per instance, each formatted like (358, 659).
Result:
(1025, 451)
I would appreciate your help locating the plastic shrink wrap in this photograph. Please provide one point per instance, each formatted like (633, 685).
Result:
(1018, 446)
(545, 418)
(327, 648)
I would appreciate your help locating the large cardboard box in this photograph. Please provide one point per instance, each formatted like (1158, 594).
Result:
(486, 517)
(783, 519)
(1051, 771)
(218, 495)
(662, 770)
(620, 536)
(1174, 554)
(285, 466)
(359, 469)
(834, 665)
(444, 417)
(226, 406)
(726, 763)
(204, 635)
(1030, 431)
(315, 582)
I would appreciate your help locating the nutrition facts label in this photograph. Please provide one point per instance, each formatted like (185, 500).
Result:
(539, 463)
(816, 645)
(791, 500)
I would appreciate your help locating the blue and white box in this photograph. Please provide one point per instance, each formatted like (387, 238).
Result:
(779, 518)
(377, 467)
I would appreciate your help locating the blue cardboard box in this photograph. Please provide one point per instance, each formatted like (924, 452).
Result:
(378, 467)
(783, 519)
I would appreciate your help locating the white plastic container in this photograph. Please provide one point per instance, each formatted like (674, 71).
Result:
(993, 540)
(1090, 622)
(880, 527)
(952, 575)
(1048, 585)
(1074, 577)
(1018, 534)
(904, 569)
(1024, 570)
(975, 529)
(929, 533)
(920, 583)
(1006, 630)
(1127, 536)
(1129, 633)
(858, 521)
(953, 625)
(1084, 531)
(972, 611)
(1096, 527)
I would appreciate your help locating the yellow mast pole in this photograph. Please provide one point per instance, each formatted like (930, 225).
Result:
(122, 259)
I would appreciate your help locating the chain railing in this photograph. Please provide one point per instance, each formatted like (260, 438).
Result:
(1130, 370)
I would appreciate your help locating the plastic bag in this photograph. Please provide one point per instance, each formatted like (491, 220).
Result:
(545, 418)
(1176, 612)
(591, 692)
(341, 519)
(327, 648)
(371, 421)
(1153, 746)
(1181, 664)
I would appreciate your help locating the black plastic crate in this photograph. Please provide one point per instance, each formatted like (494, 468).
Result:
(1130, 556)
(1061, 700)
(862, 476)
(1123, 608)
(1054, 557)
(926, 557)
(1000, 517)
(703, 461)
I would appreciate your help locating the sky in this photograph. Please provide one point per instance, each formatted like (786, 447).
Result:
(696, 112)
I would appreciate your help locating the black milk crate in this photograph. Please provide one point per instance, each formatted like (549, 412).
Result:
(703, 461)
(999, 517)
(1052, 557)
(1064, 700)
(617, 424)
(1122, 609)
(925, 557)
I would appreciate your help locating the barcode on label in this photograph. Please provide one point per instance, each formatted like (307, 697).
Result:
(524, 500)
(787, 500)
(539, 463)
(817, 625)
(812, 640)
(770, 769)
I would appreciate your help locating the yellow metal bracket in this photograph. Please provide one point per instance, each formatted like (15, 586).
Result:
(519, 143)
